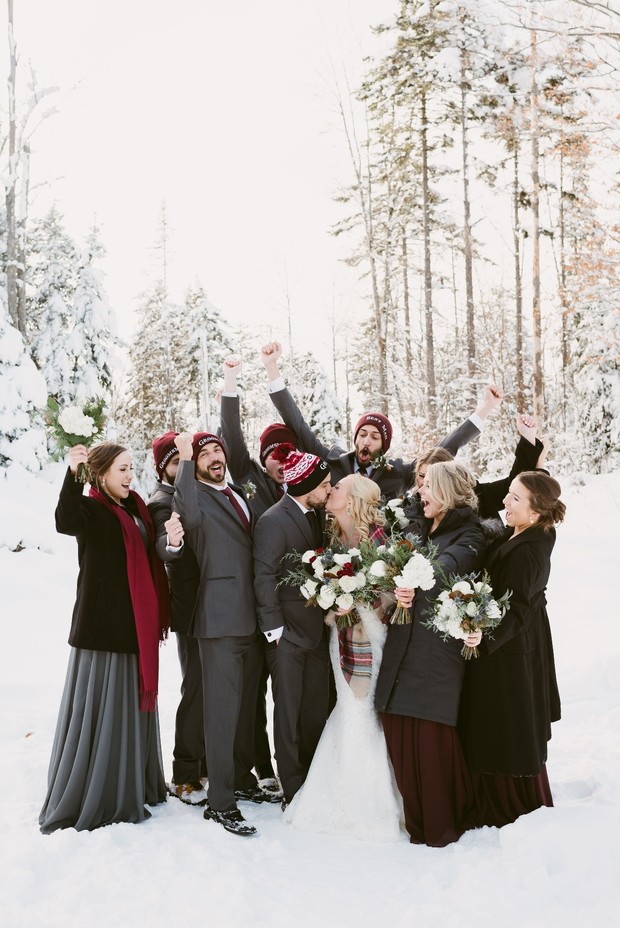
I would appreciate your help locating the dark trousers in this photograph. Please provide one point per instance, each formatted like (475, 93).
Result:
(301, 695)
(230, 675)
(189, 763)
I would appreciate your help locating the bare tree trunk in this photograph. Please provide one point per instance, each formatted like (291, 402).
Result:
(11, 221)
(21, 223)
(467, 236)
(536, 303)
(431, 387)
(406, 301)
(516, 243)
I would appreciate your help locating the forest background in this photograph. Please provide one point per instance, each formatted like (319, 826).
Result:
(472, 216)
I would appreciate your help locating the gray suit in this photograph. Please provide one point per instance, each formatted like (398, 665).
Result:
(224, 623)
(393, 482)
(301, 681)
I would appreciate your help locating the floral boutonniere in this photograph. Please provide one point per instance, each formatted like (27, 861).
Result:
(380, 462)
(249, 489)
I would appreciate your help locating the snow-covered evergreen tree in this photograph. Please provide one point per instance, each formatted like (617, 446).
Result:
(93, 338)
(22, 396)
(316, 399)
(51, 278)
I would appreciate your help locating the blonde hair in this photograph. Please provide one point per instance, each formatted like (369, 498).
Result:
(452, 485)
(431, 457)
(363, 507)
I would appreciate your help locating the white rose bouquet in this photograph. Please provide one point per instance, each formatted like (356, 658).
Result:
(75, 425)
(333, 578)
(467, 605)
(403, 562)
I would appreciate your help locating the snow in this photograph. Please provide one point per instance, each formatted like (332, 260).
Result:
(554, 867)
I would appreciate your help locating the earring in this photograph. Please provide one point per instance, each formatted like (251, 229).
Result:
(531, 519)
(103, 481)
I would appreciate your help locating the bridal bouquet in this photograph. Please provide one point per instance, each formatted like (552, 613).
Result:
(402, 562)
(75, 425)
(334, 577)
(467, 605)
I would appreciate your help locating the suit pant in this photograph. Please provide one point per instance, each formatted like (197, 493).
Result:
(230, 675)
(262, 762)
(189, 763)
(301, 696)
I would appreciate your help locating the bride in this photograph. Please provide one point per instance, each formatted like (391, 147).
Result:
(350, 787)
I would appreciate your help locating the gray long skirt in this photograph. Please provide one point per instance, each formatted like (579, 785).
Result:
(106, 758)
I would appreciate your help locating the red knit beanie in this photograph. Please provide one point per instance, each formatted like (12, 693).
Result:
(304, 472)
(204, 438)
(164, 448)
(274, 435)
(379, 422)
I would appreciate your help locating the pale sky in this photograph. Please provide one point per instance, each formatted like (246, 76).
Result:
(225, 111)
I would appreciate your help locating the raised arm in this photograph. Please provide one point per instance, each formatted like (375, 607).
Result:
(471, 427)
(286, 405)
(70, 516)
(185, 500)
(238, 457)
(528, 453)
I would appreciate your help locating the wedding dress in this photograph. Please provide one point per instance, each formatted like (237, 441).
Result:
(350, 787)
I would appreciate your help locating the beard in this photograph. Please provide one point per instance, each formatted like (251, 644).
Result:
(205, 473)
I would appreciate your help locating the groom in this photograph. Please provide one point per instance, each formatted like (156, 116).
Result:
(301, 677)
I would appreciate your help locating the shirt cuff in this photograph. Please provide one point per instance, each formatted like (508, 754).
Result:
(274, 634)
(477, 421)
(173, 548)
(227, 393)
(274, 386)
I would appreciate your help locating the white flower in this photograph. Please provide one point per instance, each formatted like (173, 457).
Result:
(444, 596)
(74, 422)
(462, 587)
(308, 589)
(417, 572)
(361, 579)
(326, 597)
(348, 584)
(307, 556)
(482, 587)
(395, 503)
(345, 601)
(493, 610)
(471, 609)
(342, 559)
(377, 569)
(381, 549)
(403, 521)
(318, 568)
(354, 552)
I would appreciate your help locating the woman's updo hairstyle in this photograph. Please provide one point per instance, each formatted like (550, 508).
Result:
(544, 492)
(434, 456)
(100, 458)
(452, 485)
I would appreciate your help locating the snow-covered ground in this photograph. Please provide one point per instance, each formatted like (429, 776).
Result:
(555, 867)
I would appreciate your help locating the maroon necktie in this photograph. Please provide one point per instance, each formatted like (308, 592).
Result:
(244, 519)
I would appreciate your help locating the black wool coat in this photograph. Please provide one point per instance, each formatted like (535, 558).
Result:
(421, 675)
(510, 695)
(103, 618)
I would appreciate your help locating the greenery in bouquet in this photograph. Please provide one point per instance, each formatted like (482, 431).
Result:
(335, 578)
(403, 561)
(466, 605)
(394, 512)
(75, 425)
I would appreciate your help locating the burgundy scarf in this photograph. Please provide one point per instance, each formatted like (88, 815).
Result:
(149, 593)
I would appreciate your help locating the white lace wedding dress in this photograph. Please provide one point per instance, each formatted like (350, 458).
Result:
(350, 787)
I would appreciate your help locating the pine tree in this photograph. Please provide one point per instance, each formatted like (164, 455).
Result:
(22, 396)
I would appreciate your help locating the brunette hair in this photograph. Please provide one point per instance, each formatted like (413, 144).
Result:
(363, 506)
(434, 456)
(100, 458)
(452, 485)
(544, 497)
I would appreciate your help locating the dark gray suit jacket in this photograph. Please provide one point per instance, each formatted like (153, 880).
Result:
(225, 605)
(283, 529)
(242, 467)
(393, 482)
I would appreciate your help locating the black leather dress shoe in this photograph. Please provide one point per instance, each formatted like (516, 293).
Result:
(256, 795)
(233, 821)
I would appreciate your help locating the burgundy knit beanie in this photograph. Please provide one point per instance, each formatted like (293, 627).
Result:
(274, 435)
(164, 448)
(201, 439)
(380, 422)
(304, 472)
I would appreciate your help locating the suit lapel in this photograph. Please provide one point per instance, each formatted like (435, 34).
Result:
(295, 513)
(224, 503)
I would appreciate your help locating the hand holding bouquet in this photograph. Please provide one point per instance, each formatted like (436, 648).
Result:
(75, 425)
(466, 606)
(403, 562)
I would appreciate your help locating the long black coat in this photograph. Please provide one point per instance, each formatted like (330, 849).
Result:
(103, 618)
(510, 695)
(421, 674)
